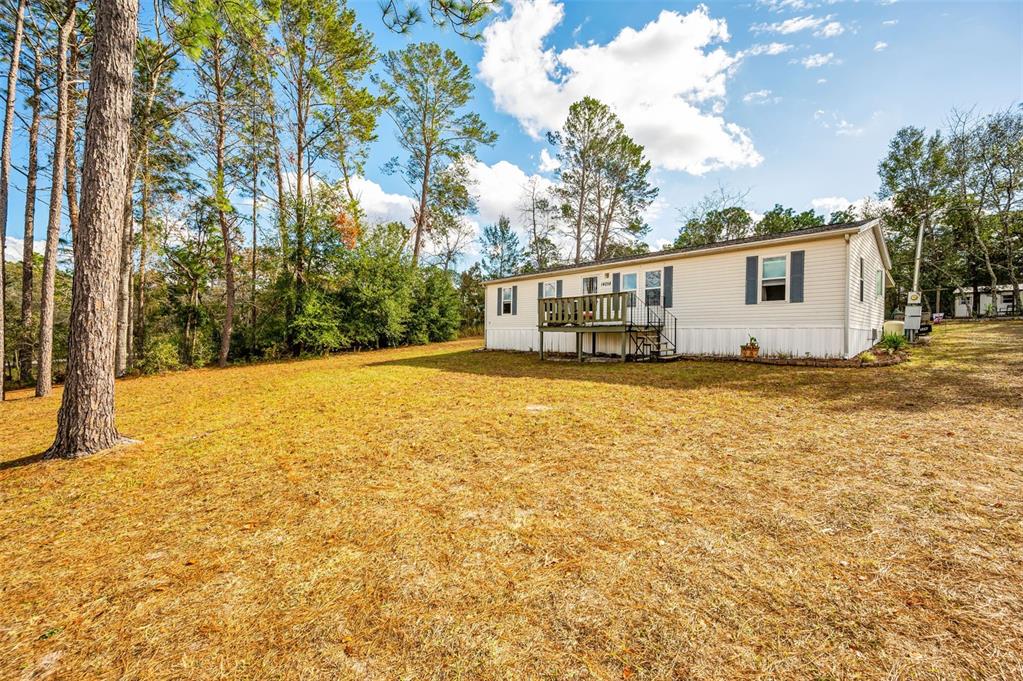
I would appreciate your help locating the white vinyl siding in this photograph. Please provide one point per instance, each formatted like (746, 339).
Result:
(708, 295)
(866, 312)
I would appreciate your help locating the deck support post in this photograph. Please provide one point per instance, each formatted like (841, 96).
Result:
(625, 338)
(579, 346)
(541, 346)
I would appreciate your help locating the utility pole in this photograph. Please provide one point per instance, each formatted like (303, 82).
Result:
(913, 299)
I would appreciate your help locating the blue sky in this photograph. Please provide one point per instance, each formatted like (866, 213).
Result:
(794, 100)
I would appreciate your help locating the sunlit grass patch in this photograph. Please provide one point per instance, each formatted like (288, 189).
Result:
(436, 512)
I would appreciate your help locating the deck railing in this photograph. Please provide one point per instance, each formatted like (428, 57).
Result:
(608, 309)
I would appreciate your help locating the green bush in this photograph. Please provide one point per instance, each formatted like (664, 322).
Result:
(434, 313)
(205, 350)
(318, 325)
(893, 342)
(159, 356)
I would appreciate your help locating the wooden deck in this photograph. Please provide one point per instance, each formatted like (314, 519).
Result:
(588, 311)
(597, 313)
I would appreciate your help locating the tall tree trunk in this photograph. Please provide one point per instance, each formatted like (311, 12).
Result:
(124, 279)
(71, 173)
(44, 375)
(421, 214)
(28, 252)
(122, 353)
(299, 266)
(5, 170)
(579, 221)
(221, 199)
(140, 307)
(282, 203)
(255, 235)
(85, 423)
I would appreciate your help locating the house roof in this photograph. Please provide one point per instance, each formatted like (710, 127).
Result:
(795, 235)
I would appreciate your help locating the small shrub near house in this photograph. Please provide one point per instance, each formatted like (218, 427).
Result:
(893, 342)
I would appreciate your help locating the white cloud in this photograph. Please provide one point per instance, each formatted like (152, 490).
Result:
(830, 204)
(13, 246)
(793, 25)
(860, 208)
(822, 81)
(548, 163)
(500, 188)
(782, 5)
(770, 49)
(890, 22)
(880, 46)
(830, 30)
(815, 61)
(760, 97)
(665, 80)
(379, 205)
(842, 127)
(846, 129)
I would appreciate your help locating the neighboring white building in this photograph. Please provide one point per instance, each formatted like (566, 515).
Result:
(1002, 301)
(816, 292)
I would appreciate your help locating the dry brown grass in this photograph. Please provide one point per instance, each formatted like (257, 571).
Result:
(440, 513)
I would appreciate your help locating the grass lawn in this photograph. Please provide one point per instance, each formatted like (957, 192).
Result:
(434, 512)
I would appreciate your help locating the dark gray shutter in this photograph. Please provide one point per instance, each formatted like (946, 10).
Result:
(515, 299)
(751, 279)
(539, 290)
(499, 301)
(796, 259)
(616, 282)
(666, 283)
(559, 288)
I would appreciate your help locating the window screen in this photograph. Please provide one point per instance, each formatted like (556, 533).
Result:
(772, 279)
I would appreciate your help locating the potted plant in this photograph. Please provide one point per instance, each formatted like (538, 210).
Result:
(751, 349)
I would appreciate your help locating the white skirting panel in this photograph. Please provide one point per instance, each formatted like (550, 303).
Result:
(789, 342)
(862, 339)
(786, 342)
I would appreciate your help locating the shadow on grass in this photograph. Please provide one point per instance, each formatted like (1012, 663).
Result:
(951, 370)
(23, 461)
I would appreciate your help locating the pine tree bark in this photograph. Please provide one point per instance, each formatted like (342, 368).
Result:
(27, 253)
(44, 375)
(5, 170)
(85, 423)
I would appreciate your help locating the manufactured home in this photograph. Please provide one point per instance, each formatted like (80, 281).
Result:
(999, 303)
(816, 292)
